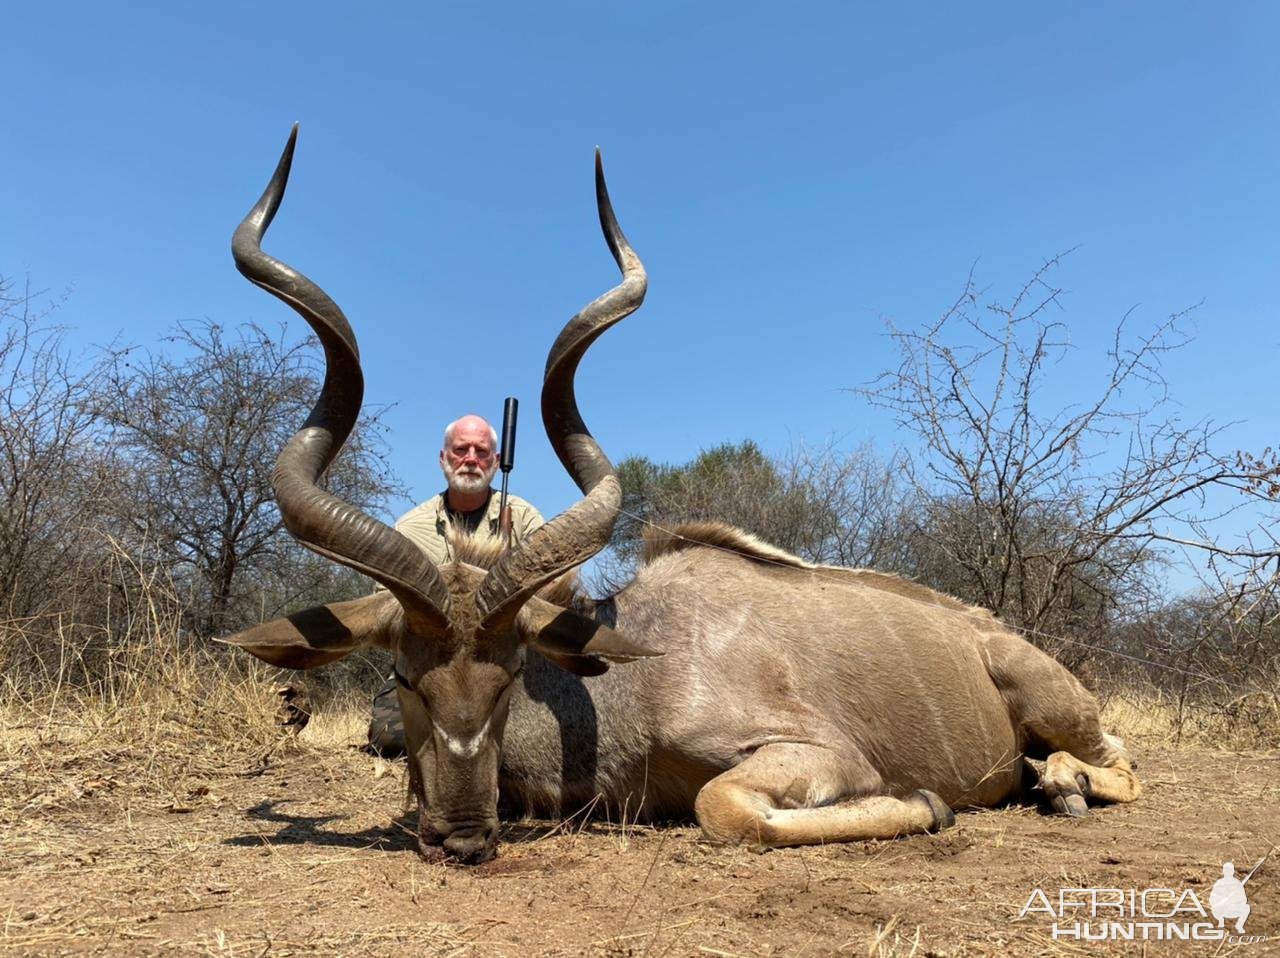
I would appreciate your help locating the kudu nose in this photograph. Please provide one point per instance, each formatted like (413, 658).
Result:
(471, 846)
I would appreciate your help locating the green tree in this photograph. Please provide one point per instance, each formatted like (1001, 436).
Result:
(820, 504)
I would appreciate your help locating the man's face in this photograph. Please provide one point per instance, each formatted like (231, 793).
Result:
(468, 458)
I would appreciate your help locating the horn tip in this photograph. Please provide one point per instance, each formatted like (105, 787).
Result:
(602, 188)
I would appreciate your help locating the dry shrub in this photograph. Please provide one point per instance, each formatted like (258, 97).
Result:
(130, 691)
(1149, 716)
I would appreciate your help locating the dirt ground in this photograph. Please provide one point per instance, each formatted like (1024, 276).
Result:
(300, 851)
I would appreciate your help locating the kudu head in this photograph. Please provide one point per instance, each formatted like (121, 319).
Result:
(459, 633)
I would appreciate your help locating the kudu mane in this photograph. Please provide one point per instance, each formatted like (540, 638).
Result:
(565, 590)
(481, 553)
(658, 541)
(716, 535)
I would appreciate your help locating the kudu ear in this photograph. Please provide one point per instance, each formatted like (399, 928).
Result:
(575, 642)
(324, 633)
(584, 665)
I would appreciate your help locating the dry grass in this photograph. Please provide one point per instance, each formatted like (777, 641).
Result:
(135, 698)
(146, 699)
(1145, 714)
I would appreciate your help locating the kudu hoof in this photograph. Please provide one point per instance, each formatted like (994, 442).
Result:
(1069, 803)
(943, 816)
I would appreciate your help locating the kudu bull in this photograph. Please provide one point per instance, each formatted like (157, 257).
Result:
(783, 703)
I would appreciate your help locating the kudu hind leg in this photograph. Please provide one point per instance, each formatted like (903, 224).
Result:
(1084, 764)
(787, 794)
(1071, 784)
(1059, 720)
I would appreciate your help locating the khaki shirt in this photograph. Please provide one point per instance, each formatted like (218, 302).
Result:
(427, 525)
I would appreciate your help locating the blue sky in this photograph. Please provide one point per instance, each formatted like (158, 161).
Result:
(791, 175)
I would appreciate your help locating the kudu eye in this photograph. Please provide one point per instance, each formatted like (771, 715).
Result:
(502, 693)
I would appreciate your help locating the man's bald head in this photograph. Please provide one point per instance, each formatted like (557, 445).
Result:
(469, 459)
(469, 422)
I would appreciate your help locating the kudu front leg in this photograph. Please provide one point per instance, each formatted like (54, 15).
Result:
(793, 794)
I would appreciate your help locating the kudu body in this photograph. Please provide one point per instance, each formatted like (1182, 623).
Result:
(782, 702)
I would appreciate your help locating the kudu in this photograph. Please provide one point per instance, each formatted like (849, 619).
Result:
(783, 703)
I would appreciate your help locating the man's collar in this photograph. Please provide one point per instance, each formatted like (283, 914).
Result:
(488, 510)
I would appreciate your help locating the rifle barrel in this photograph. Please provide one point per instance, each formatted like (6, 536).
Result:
(506, 462)
(510, 410)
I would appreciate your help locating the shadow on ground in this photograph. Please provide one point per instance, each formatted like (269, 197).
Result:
(397, 836)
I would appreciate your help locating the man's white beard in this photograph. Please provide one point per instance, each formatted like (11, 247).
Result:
(469, 484)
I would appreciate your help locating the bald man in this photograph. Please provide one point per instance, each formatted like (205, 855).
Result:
(468, 505)
(469, 461)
